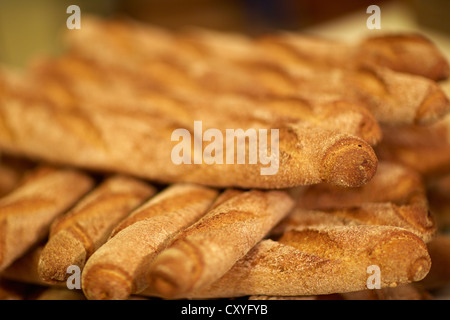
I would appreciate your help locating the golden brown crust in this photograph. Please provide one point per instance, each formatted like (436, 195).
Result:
(119, 191)
(172, 198)
(388, 247)
(89, 139)
(76, 235)
(311, 261)
(414, 218)
(407, 52)
(396, 196)
(294, 49)
(438, 192)
(25, 268)
(28, 211)
(398, 97)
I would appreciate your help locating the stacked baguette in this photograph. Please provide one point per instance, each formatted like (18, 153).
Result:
(88, 185)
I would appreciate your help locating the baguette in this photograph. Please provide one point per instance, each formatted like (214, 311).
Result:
(409, 53)
(208, 249)
(75, 236)
(172, 198)
(323, 260)
(140, 143)
(404, 52)
(396, 98)
(396, 196)
(413, 217)
(117, 269)
(392, 96)
(27, 212)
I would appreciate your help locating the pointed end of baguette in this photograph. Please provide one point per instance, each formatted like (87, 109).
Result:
(440, 71)
(350, 162)
(103, 283)
(401, 251)
(171, 275)
(435, 106)
(61, 251)
(419, 269)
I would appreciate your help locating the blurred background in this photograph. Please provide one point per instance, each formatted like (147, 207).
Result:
(31, 27)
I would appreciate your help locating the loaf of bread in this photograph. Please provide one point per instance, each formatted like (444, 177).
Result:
(141, 143)
(396, 196)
